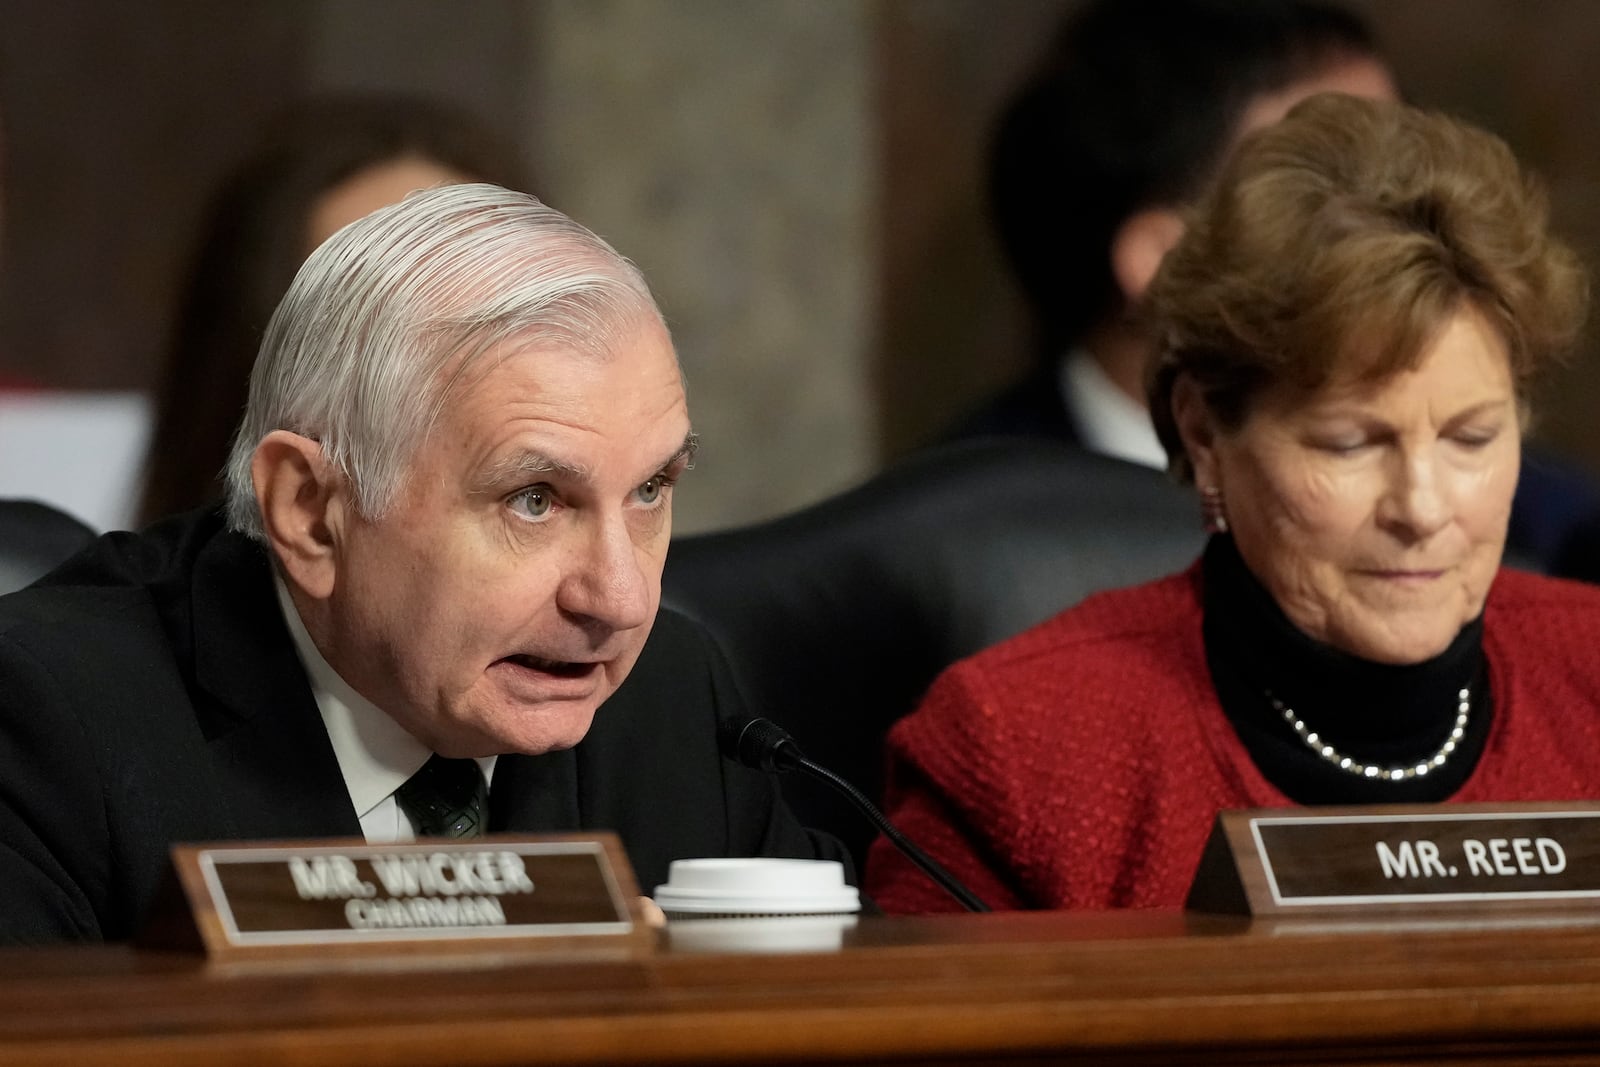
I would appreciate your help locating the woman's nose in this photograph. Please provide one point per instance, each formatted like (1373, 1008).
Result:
(1415, 505)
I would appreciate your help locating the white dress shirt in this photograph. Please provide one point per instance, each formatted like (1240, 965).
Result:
(1108, 420)
(376, 755)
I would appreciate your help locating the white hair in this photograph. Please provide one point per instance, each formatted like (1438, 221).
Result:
(358, 355)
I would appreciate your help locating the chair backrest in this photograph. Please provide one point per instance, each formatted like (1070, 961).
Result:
(1580, 553)
(837, 617)
(34, 538)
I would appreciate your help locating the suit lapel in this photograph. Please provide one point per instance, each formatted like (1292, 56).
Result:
(275, 768)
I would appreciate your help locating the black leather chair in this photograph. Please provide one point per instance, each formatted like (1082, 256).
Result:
(35, 537)
(1580, 554)
(837, 617)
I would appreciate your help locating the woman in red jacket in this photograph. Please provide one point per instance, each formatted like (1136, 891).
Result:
(1349, 325)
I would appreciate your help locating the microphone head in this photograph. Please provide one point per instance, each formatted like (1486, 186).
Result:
(758, 743)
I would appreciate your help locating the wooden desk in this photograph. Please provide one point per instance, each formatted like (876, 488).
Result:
(1121, 988)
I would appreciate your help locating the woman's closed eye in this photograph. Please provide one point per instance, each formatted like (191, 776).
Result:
(1475, 437)
(1342, 444)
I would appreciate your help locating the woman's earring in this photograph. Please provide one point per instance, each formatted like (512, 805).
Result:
(1213, 514)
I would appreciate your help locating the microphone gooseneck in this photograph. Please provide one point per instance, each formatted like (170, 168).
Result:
(766, 746)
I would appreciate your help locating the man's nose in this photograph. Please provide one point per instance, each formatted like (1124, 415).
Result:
(610, 583)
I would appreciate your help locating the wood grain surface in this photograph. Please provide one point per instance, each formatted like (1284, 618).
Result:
(1133, 987)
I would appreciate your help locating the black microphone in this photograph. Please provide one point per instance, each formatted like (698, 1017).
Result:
(766, 746)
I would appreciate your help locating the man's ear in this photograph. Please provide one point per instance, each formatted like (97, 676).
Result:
(1138, 247)
(1197, 427)
(301, 500)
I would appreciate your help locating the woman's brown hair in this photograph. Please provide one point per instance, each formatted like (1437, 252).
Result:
(1337, 243)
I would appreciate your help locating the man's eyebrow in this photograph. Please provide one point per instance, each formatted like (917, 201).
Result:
(526, 462)
(522, 463)
(684, 456)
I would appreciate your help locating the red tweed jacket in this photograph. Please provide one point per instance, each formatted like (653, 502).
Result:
(1081, 764)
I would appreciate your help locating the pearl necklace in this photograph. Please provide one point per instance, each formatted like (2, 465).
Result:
(1315, 743)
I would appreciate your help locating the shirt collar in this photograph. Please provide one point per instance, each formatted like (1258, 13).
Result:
(1109, 421)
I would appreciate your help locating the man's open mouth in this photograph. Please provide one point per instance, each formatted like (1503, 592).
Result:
(557, 667)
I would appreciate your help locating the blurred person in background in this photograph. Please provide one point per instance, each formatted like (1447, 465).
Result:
(321, 164)
(1347, 330)
(1134, 108)
(1132, 111)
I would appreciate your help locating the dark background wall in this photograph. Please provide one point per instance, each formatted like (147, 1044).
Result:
(799, 179)
(119, 119)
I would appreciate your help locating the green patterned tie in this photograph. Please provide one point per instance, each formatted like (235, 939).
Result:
(446, 798)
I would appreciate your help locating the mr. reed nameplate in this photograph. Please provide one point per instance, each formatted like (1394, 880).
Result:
(287, 898)
(1359, 860)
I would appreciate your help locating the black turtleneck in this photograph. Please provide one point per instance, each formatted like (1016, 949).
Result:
(1375, 713)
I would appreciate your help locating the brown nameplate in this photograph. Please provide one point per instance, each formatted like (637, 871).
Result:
(1350, 860)
(272, 898)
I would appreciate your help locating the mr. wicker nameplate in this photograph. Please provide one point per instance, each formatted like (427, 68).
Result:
(277, 897)
(1391, 858)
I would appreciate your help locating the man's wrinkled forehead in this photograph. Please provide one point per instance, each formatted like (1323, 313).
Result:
(469, 355)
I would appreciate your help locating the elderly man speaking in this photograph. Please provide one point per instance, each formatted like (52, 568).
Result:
(449, 505)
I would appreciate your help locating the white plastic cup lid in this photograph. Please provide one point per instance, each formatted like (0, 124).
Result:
(757, 886)
(773, 934)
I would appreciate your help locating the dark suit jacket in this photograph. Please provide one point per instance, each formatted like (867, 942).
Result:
(150, 694)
